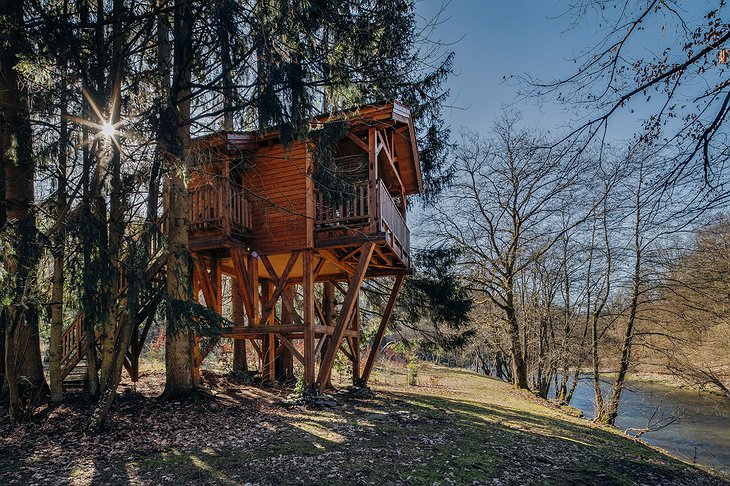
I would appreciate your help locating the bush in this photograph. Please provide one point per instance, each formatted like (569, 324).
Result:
(412, 371)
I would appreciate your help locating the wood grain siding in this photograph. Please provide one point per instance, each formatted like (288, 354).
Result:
(276, 183)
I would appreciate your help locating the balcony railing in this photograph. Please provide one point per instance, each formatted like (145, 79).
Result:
(353, 211)
(358, 211)
(392, 223)
(220, 206)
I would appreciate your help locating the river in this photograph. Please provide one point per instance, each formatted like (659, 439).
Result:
(701, 430)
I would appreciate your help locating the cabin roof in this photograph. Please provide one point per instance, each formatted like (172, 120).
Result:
(360, 118)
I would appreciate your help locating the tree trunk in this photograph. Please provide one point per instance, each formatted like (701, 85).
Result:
(179, 340)
(116, 198)
(90, 237)
(611, 411)
(599, 408)
(519, 367)
(90, 273)
(596, 316)
(59, 250)
(4, 145)
(121, 343)
(24, 370)
(226, 65)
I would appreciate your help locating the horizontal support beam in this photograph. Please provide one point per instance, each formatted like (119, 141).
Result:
(285, 329)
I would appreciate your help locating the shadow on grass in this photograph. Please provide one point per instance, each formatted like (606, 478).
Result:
(397, 438)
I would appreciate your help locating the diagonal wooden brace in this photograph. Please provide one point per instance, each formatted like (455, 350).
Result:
(381, 330)
(343, 319)
(279, 283)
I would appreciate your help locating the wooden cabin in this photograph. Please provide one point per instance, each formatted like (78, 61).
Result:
(297, 259)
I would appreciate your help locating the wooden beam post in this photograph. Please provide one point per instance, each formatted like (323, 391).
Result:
(285, 358)
(381, 330)
(373, 180)
(328, 311)
(269, 345)
(308, 291)
(355, 343)
(345, 314)
(253, 288)
(216, 278)
(240, 361)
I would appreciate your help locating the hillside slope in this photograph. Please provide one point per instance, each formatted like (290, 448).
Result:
(456, 427)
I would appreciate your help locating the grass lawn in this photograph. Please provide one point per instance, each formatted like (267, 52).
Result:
(455, 427)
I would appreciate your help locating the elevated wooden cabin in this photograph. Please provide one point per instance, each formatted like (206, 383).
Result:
(258, 215)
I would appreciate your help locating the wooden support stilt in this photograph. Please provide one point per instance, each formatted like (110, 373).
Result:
(355, 344)
(381, 330)
(252, 288)
(240, 360)
(328, 319)
(241, 277)
(269, 345)
(210, 281)
(308, 291)
(285, 357)
(345, 314)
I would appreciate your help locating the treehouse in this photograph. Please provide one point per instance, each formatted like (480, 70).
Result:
(296, 235)
(297, 249)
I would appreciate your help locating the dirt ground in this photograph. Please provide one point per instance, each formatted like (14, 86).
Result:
(455, 427)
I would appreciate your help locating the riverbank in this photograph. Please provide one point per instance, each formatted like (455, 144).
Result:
(455, 427)
(687, 423)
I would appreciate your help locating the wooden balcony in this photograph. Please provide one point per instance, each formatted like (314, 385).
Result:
(359, 218)
(220, 212)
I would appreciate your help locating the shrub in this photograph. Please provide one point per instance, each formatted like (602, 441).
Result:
(412, 371)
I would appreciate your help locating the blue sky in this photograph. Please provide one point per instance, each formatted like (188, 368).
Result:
(497, 38)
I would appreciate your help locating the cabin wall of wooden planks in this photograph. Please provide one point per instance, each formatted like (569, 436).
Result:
(276, 183)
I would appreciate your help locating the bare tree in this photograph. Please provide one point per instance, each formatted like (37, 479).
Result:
(668, 55)
(499, 214)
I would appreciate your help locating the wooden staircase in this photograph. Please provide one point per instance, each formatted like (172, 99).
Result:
(73, 340)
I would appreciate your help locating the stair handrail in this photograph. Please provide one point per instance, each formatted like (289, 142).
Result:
(73, 337)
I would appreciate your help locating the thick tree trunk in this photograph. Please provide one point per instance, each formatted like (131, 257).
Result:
(90, 236)
(116, 199)
(519, 367)
(24, 370)
(179, 339)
